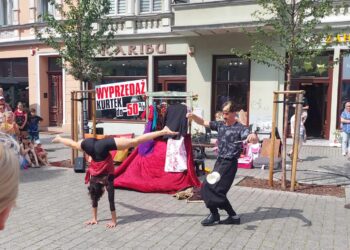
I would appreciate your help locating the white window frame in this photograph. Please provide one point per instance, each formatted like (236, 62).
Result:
(7, 14)
(116, 11)
(150, 7)
(49, 9)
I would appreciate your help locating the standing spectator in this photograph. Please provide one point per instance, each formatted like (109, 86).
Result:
(301, 134)
(304, 114)
(21, 118)
(345, 121)
(2, 113)
(33, 125)
(2, 102)
(9, 178)
(9, 126)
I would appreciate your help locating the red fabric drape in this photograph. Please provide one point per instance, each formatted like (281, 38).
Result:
(146, 173)
(102, 167)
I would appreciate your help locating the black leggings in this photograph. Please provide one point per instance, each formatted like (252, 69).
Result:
(96, 189)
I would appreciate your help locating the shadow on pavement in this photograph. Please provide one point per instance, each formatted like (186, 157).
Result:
(268, 213)
(314, 158)
(40, 174)
(145, 214)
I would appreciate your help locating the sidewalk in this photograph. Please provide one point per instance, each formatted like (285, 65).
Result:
(53, 204)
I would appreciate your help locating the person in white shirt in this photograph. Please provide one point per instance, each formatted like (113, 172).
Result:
(301, 134)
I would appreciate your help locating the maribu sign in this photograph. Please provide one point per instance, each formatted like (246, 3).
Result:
(113, 96)
(134, 50)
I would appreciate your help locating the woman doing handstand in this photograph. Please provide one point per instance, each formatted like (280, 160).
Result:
(101, 167)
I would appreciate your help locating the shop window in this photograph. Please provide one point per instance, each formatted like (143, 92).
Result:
(14, 67)
(121, 70)
(20, 68)
(150, 5)
(316, 67)
(117, 7)
(6, 7)
(231, 81)
(5, 68)
(170, 74)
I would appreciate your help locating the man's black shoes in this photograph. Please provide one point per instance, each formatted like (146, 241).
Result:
(212, 219)
(231, 220)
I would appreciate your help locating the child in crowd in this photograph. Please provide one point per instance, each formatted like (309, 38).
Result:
(41, 153)
(9, 126)
(28, 152)
(253, 147)
(21, 119)
(33, 125)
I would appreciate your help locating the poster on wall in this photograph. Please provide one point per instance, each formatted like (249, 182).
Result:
(123, 97)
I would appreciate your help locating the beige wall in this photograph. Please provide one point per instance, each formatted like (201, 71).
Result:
(220, 14)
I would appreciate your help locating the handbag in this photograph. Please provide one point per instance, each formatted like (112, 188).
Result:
(176, 156)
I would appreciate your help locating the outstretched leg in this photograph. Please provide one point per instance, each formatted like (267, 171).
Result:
(67, 142)
(125, 143)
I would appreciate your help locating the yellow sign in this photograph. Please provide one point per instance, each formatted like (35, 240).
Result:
(339, 38)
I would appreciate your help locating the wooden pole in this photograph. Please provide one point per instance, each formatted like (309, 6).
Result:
(93, 113)
(76, 131)
(296, 140)
(72, 125)
(273, 137)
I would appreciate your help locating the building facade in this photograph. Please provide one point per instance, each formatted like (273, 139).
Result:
(175, 46)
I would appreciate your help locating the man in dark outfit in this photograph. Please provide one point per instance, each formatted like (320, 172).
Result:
(231, 133)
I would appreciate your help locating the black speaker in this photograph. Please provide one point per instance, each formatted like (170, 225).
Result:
(79, 165)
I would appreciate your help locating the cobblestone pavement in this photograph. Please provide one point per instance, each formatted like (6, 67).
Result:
(53, 204)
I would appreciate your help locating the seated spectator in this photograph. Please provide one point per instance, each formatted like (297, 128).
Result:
(28, 152)
(41, 153)
(33, 125)
(9, 126)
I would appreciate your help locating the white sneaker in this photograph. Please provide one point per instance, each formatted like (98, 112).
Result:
(344, 154)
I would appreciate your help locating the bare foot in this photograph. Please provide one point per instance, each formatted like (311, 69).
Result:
(56, 139)
(91, 222)
(111, 224)
(167, 131)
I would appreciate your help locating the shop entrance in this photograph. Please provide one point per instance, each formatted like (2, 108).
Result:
(318, 98)
(55, 99)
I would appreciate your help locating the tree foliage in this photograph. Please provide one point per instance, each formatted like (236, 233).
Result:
(288, 30)
(81, 32)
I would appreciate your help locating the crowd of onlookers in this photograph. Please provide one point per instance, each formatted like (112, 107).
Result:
(23, 126)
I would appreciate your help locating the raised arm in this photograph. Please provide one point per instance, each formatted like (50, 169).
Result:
(198, 119)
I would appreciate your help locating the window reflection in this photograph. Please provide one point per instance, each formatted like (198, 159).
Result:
(121, 70)
(231, 82)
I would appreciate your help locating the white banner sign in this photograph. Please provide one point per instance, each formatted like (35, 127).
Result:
(124, 97)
